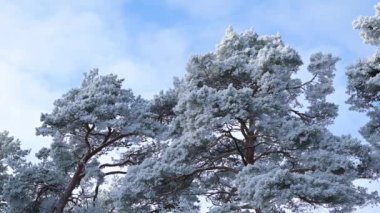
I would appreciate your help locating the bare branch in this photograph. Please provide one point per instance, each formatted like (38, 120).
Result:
(115, 173)
(304, 84)
(124, 163)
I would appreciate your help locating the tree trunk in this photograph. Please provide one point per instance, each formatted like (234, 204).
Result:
(247, 129)
(75, 180)
(249, 150)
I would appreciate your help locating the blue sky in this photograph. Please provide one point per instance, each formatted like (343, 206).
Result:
(45, 46)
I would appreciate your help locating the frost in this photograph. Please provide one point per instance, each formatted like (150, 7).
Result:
(370, 27)
(86, 123)
(364, 82)
(239, 137)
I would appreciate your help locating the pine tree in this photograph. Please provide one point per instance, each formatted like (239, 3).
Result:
(364, 79)
(248, 135)
(12, 158)
(89, 123)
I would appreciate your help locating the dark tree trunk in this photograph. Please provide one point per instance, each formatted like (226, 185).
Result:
(80, 169)
(247, 130)
(75, 180)
(249, 150)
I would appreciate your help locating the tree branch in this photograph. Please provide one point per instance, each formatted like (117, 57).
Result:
(87, 136)
(303, 84)
(237, 146)
(115, 173)
(124, 163)
(303, 116)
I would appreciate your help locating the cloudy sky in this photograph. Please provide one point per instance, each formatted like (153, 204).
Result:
(46, 46)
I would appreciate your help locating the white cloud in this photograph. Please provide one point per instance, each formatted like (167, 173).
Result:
(59, 43)
(157, 55)
(44, 48)
(21, 101)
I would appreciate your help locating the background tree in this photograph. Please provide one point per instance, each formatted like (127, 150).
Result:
(88, 123)
(364, 79)
(249, 135)
(12, 158)
(34, 188)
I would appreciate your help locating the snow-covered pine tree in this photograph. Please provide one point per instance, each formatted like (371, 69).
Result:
(88, 123)
(248, 135)
(364, 79)
(12, 158)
